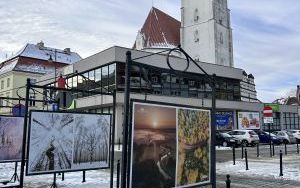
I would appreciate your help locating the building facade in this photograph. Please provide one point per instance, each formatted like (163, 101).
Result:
(152, 80)
(32, 62)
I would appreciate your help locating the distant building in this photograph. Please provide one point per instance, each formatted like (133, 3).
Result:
(160, 31)
(32, 61)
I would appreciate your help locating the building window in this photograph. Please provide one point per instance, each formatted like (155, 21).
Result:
(196, 36)
(8, 82)
(196, 15)
(154, 79)
(221, 38)
(2, 84)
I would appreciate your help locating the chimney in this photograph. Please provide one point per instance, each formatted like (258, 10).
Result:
(67, 51)
(40, 45)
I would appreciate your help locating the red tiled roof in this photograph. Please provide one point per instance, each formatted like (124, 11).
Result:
(161, 30)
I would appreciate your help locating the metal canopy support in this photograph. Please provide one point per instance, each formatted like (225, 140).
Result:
(126, 125)
(126, 120)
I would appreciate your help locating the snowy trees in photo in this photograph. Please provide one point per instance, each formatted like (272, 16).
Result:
(91, 143)
(11, 134)
(68, 141)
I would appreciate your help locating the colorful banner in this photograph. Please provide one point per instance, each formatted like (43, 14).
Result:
(11, 137)
(224, 120)
(65, 142)
(275, 107)
(170, 146)
(248, 120)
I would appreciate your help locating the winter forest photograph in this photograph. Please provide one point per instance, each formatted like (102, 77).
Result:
(67, 142)
(11, 134)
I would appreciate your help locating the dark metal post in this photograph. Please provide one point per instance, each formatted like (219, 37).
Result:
(16, 169)
(285, 149)
(270, 143)
(213, 133)
(54, 181)
(228, 181)
(233, 155)
(83, 176)
(118, 174)
(297, 147)
(273, 147)
(126, 118)
(246, 158)
(119, 144)
(113, 141)
(280, 155)
(242, 151)
(28, 85)
(257, 150)
(63, 176)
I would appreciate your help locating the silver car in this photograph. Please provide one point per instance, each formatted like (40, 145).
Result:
(288, 138)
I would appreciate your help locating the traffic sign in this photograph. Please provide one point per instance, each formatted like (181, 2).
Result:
(268, 114)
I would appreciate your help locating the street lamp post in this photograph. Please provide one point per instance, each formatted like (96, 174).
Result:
(50, 60)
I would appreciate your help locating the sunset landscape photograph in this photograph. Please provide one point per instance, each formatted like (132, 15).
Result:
(154, 146)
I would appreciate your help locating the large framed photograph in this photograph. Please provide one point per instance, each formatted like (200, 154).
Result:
(65, 142)
(249, 120)
(11, 138)
(170, 146)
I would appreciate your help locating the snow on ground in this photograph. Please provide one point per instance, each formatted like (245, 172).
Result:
(94, 179)
(264, 167)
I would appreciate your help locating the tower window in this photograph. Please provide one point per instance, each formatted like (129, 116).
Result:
(196, 36)
(221, 38)
(196, 15)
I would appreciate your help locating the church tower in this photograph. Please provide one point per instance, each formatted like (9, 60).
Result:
(206, 32)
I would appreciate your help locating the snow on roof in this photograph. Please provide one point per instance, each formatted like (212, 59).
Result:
(160, 30)
(44, 53)
(9, 66)
(39, 51)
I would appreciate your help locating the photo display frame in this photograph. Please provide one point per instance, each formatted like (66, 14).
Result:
(11, 134)
(170, 145)
(68, 142)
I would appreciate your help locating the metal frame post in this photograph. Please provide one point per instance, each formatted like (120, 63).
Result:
(213, 134)
(233, 155)
(28, 85)
(113, 141)
(246, 159)
(280, 158)
(126, 120)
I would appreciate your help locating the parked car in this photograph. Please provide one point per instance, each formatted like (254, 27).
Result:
(288, 138)
(266, 137)
(296, 134)
(226, 140)
(246, 137)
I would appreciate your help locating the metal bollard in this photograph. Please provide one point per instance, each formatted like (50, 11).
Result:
(285, 149)
(242, 152)
(233, 155)
(257, 150)
(297, 148)
(118, 174)
(273, 149)
(228, 181)
(280, 156)
(246, 158)
(63, 176)
(83, 176)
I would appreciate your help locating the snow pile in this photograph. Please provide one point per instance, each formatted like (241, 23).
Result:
(268, 168)
(94, 179)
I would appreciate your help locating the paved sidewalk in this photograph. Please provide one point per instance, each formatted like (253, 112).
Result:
(256, 182)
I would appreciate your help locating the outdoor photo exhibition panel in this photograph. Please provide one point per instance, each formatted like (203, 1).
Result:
(11, 134)
(224, 120)
(65, 142)
(170, 146)
(248, 120)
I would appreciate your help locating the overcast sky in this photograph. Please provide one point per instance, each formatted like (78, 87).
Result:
(266, 33)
